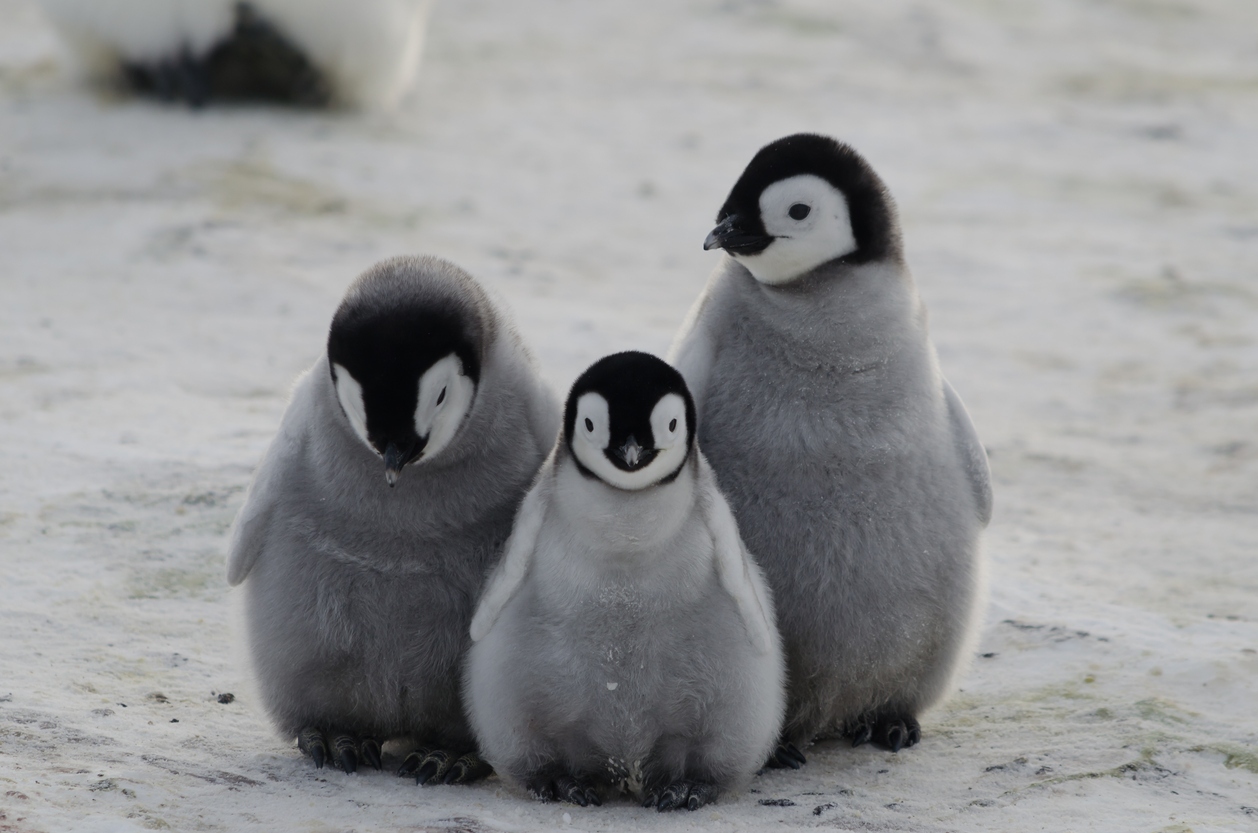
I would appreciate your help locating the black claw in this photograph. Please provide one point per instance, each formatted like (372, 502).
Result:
(409, 765)
(542, 789)
(434, 766)
(915, 732)
(786, 756)
(651, 800)
(893, 732)
(369, 748)
(346, 752)
(571, 790)
(895, 735)
(312, 742)
(701, 794)
(674, 796)
(470, 767)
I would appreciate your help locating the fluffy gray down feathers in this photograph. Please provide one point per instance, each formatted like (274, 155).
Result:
(358, 596)
(856, 477)
(628, 639)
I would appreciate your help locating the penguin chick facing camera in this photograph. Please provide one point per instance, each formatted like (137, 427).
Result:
(385, 498)
(302, 52)
(626, 639)
(849, 461)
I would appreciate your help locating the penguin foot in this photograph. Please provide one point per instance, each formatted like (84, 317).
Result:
(441, 766)
(312, 742)
(369, 749)
(342, 750)
(786, 756)
(688, 794)
(894, 732)
(563, 788)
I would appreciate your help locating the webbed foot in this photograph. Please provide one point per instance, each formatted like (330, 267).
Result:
(688, 794)
(563, 788)
(441, 766)
(890, 731)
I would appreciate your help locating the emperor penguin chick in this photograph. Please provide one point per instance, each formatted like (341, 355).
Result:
(627, 637)
(849, 461)
(387, 495)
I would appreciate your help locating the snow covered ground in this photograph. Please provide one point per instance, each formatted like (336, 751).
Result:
(1079, 191)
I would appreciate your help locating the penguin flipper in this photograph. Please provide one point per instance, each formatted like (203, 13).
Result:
(734, 566)
(252, 526)
(507, 577)
(972, 453)
(693, 353)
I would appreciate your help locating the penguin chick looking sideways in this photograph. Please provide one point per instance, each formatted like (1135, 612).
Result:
(371, 522)
(626, 638)
(849, 461)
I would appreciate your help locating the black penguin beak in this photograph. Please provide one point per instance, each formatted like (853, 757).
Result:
(393, 462)
(395, 458)
(731, 236)
(632, 456)
(630, 452)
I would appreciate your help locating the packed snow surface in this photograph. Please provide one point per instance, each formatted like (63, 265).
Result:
(1079, 192)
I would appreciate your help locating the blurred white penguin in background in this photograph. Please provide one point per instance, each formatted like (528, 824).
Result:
(353, 53)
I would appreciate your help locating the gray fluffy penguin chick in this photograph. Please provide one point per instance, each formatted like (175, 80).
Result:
(379, 508)
(851, 465)
(626, 639)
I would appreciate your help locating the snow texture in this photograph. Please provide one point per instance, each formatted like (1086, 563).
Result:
(1079, 193)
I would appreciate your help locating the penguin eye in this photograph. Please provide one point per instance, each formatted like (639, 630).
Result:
(442, 396)
(672, 426)
(589, 424)
(799, 211)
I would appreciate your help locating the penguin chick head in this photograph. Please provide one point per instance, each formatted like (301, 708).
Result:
(405, 369)
(630, 421)
(805, 200)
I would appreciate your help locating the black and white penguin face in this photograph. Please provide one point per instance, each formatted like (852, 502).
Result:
(630, 420)
(803, 201)
(405, 380)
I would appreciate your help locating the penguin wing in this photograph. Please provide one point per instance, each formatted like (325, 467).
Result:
(251, 530)
(544, 416)
(694, 350)
(507, 577)
(738, 574)
(279, 469)
(973, 455)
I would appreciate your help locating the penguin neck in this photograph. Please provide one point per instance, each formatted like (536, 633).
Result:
(621, 532)
(839, 318)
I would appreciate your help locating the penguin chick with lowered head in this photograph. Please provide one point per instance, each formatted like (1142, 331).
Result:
(627, 637)
(377, 511)
(849, 461)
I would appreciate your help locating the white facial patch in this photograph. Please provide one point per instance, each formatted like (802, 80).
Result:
(445, 396)
(592, 432)
(350, 394)
(821, 234)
